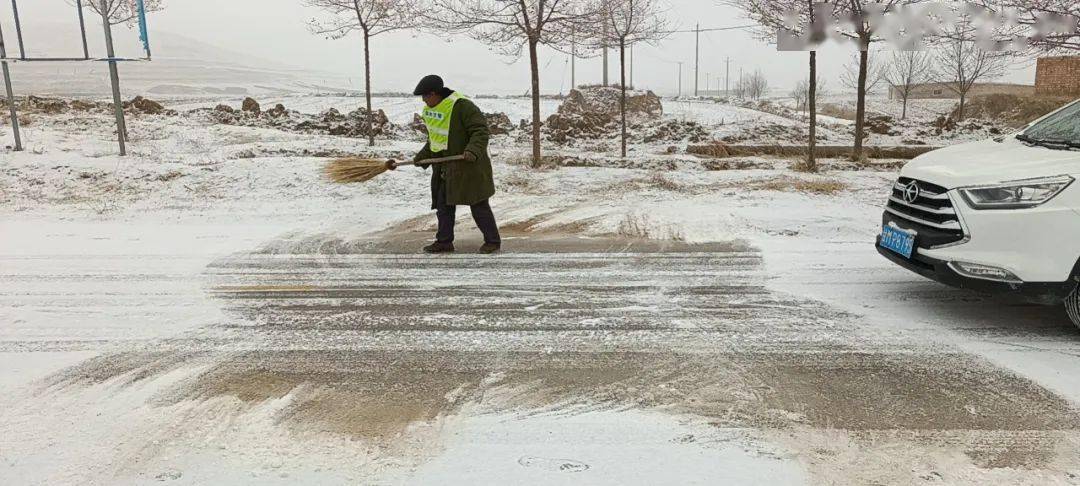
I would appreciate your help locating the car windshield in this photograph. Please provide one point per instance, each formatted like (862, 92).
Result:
(1062, 127)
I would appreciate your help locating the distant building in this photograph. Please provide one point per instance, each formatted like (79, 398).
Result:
(932, 91)
(1058, 76)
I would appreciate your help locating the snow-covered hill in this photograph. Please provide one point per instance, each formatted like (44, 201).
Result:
(181, 66)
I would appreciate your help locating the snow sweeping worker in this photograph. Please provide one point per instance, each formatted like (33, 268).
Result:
(456, 126)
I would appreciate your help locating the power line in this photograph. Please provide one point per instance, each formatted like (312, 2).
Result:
(709, 29)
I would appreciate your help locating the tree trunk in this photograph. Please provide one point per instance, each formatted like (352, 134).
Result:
(622, 89)
(534, 66)
(860, 107)
(367, 90)
(811, 160)
(960, 113)
(903, 113)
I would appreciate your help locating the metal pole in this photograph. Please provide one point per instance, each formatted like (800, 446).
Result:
(10, 95)
(18, 29)
(82, 29)
(114, 75)
(697, 56)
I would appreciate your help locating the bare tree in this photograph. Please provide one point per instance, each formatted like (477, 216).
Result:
(512, 26)
(370, 18)
(120, 11)
(756, 85)
(863, 33)
(801, 93)
(907, 69)
(961, 64)
(875, 73)
(772, 16)
(630, 22)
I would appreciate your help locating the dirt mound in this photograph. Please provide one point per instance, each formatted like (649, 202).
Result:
(674, 131)
(1012, 110)
(881, 125)
(605, 100)
(56, 106)
(143, 105)
(330, 122)
(48, 106)
(499, 123)
(564, 129)
(251, 106)
(594, 112)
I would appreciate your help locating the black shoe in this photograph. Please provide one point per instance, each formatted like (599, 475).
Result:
(489, 248)
(439, 247)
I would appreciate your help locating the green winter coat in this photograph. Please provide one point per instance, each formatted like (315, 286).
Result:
(467, 183)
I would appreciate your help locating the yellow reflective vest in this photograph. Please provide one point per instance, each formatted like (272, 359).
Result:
(437, 120)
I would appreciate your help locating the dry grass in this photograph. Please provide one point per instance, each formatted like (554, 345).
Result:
(715, 148)
(169, 176)
(354, 169)
(824, 187)
(655, 180)
(640, 226)
(520, 182)
(803, 165)
(1013, 110)
(836, 111)
(660, 180)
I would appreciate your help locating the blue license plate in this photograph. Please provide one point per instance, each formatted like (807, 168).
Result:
(898, 240)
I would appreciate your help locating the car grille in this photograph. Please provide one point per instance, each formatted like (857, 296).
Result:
(931, 211)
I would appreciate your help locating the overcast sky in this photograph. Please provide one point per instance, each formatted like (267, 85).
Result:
(277, 30)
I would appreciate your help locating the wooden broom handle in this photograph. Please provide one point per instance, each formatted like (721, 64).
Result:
(437, 160)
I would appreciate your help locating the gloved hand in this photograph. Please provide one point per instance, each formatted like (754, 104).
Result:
(391, 164)
(469, 157)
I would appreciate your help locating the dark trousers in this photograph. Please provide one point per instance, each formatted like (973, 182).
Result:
(481, 213)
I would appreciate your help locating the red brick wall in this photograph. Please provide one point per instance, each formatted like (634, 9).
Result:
(1058, 75)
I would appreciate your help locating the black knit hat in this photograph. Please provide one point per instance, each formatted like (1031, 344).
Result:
(430, 83)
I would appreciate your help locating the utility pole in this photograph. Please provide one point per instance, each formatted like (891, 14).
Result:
(742, 83)
(573, 57)
(697, 56)
(680, 79)
(605, 45)
(727, 76)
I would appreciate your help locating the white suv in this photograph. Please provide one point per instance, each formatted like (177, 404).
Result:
(1001, 215)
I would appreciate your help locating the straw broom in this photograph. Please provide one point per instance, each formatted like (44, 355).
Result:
(357, 169)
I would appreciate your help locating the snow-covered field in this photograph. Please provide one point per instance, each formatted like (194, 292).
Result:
(209, 310)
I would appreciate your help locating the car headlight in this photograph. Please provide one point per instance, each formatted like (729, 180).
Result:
(1016, 195)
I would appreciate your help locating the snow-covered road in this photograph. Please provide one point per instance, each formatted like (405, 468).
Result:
(196, 317)
(564, 360)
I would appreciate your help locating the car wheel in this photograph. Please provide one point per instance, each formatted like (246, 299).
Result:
(1072, 306)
